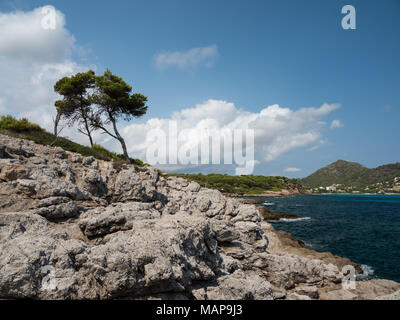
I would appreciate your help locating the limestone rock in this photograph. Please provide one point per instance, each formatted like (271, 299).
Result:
(296, 296)
(119, 216)
(286, 270)
(63, 210)
(392, 296)
(74, 227)
(225, 231)
(76, 158)
(236, 286)
(60, 153)
(129, 187)
(340, 294)
(87, 161)
(13, 172)
(310, 291)
(94, 183)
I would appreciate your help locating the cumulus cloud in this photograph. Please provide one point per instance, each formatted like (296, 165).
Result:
(277, 130)
(32, 59)
(336, 124)
(187, 59)
(22, 36)
(292, 170)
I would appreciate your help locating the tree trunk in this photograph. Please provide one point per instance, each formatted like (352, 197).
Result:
(56, 122)
(126, 156)
(88, 132)
(85, 121)
(120, 139)
(91, 140)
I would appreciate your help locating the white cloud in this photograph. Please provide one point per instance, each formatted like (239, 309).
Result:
(292, 170)
(32, 59)
(277, 130)
(319, 144)
(186, 59)
(336, 124)
(22, 36)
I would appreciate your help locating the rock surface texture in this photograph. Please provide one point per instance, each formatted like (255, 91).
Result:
(79, 228)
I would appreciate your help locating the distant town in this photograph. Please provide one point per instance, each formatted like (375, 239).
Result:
(386, 187)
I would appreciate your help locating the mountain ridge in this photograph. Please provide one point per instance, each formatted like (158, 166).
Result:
(352, 174)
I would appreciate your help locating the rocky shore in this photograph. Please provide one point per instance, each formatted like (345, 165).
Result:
(274, 216)
(266, 214)
(74, 227)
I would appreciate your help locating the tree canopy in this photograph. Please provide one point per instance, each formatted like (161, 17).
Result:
(97, 103)
(114, 100)
(75, 106)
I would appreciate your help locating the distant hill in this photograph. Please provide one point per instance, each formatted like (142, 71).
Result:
(248, 184)
(351, 174)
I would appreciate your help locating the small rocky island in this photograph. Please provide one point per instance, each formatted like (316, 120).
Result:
(74, 227)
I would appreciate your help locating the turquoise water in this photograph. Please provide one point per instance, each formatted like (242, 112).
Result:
(364, 228)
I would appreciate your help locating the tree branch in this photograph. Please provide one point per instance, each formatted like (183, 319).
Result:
(83, 132)
(105, 130)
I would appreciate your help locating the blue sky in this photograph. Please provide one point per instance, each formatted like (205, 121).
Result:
(291, 53)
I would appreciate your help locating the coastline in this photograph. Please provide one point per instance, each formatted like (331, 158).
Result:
(353, 194)
(290, 193)
(283, 241)
(272, 194)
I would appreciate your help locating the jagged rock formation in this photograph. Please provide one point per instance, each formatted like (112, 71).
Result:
(274, 216)
(78, 228)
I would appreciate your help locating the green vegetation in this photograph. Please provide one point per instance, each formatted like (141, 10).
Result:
(18, 125)
(101, 150)
(75, 107)
(351, 176)
(97, 103)
(239, 184)
(24, 129)
(339, 172)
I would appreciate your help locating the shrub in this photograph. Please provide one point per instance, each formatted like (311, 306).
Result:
(139, 163)
(237, 184)
(101, 150)
(117, 157)
(18, 125)
(24, 129)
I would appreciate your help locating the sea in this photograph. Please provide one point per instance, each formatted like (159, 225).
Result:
(363, 228)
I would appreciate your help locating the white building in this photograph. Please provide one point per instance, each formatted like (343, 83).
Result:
(331, 188)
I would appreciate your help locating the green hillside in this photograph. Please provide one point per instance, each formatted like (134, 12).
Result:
(352, 174)
(248, 184)
(22, 128)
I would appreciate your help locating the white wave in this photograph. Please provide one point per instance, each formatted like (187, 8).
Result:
(368, 271)
(294, 220)
(268, 203)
